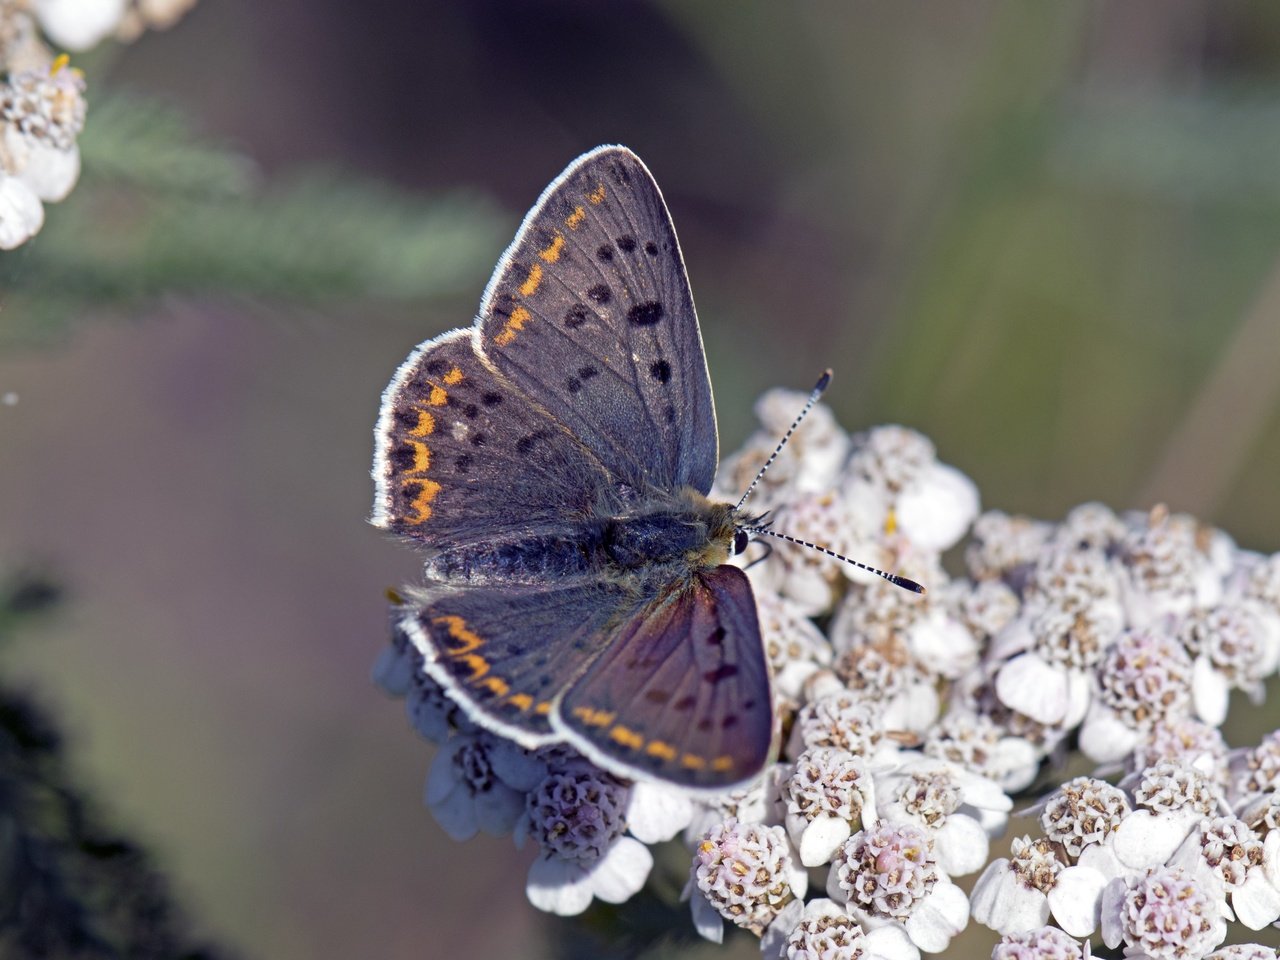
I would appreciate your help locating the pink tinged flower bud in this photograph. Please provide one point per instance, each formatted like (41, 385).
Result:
(886, 870)
(1045, 943)
(744, 871)
(1166, 914)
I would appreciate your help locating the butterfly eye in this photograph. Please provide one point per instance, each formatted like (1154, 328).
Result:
(740, 541)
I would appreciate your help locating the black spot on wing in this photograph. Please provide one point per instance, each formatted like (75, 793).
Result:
(576, 316)
(646, 314)
(605, 253)
(573, 384)
(722, 672)
(660, 370)
(491, 399)
(601, 294)
(626, 243)
(651, 248)
(586, 373)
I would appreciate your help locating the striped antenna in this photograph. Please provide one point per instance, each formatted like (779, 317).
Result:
(893, 578)
(824, 381)
(759, 529)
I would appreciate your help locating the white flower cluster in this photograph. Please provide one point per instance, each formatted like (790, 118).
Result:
(908, 721)
(42, 104)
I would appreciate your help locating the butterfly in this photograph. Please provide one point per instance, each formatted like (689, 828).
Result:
(554, 460)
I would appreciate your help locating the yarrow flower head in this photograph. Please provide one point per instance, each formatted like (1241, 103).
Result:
(745, 872)
(1165, 914)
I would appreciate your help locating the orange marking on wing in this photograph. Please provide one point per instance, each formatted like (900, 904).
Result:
(594, 718)
(426, 424)
(421, 457)
(574, 220)
(422, 502)
(691, 762)
(722, 764)
(531, 283)
(477, 664)
(596, 196)
(453, 377)
(494, 685)
(515, 323)
(542, 709)
(521, 701)
(551, 253)
(438, 396)
(663, 751)
(467, 639)
(626, 737)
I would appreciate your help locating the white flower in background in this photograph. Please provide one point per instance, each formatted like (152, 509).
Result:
(822, 930)
(795, 646)
(888, 875)
(884, 673)
(1043, 943)
(743, 873)
(1228, 848)
(466, 795)
(1144, 679)
(1254, 771)
(1232, 649)
(894, 473)
(1185, 740)
(577, 816)
(1164, 571)
(973, 741)
(828, 796)
(79, 24)
(811, 580)
(1243, 951)
(958, 810)
(1005, 547)
(812, 461)
(846, 721)
(1165, 914)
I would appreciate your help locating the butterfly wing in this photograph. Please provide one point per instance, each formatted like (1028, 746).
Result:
(506, 652)
(590, 313)
(462, 456)
(682, 691)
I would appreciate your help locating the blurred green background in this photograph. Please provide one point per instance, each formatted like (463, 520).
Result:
(1044, 234)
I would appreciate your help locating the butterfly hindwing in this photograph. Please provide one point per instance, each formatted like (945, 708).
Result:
(682, 691)
(590, 312)
(452, 434)
(505, 653)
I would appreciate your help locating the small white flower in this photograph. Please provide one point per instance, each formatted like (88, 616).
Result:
(1005, 547)
(745, 872)
(887, 874)
(1144, 679)
(822, 930)
(1255, 770)
(957, 809)
(828, 795)
(1186, 740)
(1243, 951)
(577, 816)
(465, 794)
(656, 812)
(1228, 848)
(1170, 800)
(1163, 570)
(1232, 649)
(1165, 914)
(795, 646)
(1044, 943)
(927, 503)
(843, 720)
(1082, 812)
(973, 741)
(1011, 895)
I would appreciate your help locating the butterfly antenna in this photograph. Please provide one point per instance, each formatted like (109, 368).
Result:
(895, 579)
(824, 381)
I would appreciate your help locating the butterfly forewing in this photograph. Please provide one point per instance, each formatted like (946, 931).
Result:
(682, 690)
(590, 313)
(463, 456)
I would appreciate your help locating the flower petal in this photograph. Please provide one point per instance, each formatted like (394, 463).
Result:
(622, 871)
(1256, 901)
(1076, 899)
(1033, 687)
(656, 813)
(558, 886)
(821, 838)
(938, 918)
